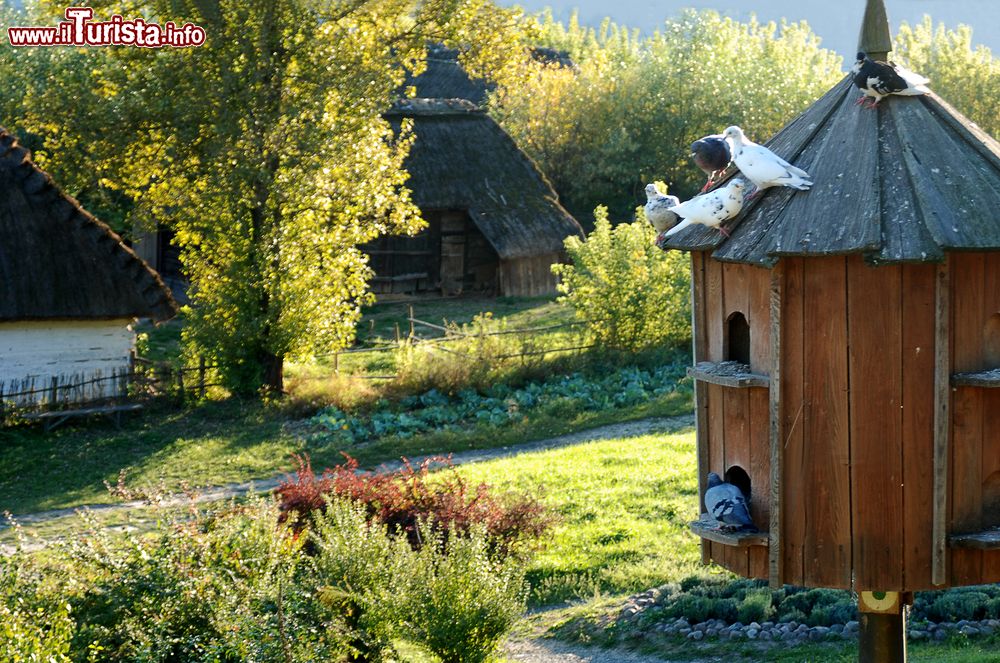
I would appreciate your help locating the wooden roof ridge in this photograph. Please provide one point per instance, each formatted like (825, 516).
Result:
(58, 261)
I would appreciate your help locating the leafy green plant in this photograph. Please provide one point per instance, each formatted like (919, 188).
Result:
(625, 113)
(632, 295)
(467, 600)
(500, 404)
(34, 624)
(966, 76)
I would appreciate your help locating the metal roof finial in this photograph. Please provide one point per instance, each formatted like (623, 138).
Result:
(875, 38)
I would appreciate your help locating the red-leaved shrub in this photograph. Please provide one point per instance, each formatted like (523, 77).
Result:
(405, 497)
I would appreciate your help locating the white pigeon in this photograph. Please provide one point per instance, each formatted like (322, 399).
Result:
(712, 208)
(762, 166)
(727, 504)
(658, 209)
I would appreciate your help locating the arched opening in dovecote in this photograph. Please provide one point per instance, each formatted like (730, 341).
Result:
(737, 338)
(737, 476)
(991, 341)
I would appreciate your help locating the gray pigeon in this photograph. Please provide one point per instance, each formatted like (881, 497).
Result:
(712, 154)
(658, 209)
(727, 504)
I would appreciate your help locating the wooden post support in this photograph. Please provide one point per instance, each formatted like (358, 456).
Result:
(411, 320)
(53, 392)
(397, 334)
(774, 552)
(942, 424)
(201, 377)
(336, 362)
(882, 621)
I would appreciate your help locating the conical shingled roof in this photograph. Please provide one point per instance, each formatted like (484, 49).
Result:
(903, 183)
(59, 262)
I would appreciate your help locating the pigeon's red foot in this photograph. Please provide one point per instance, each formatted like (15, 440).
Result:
(860, 100)
(873, 105)
(725, 233)
(707, 186)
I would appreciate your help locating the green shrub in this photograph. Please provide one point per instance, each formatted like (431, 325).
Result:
(34, 626)
(966, 76)
(465, 602)
(756, 606)
(632, 295)
(229, 588)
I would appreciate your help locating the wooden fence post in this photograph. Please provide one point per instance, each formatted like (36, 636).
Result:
(180, 383)
(336, 362)
(53, 391)
(201, 376)
(411, 320)
(397, 333)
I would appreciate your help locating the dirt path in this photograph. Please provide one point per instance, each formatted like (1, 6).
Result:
(543, 650)
(217, 493)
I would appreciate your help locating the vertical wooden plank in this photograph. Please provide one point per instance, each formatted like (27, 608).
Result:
(699, 350)
(942, 421)
(775, 440)
(875, 373)
(737, 454)
(968, 304)
(827, 444)
(714, 314)
(967, 299)
(760, 474)
(793, 423)
(967, 435)
(918, 362)
(716, 446)
(990, 513)
(759, 317)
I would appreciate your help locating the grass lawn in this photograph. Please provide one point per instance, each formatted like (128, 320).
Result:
(234, 440)
(623, 505)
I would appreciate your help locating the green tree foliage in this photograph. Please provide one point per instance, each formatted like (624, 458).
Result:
(265, 149)
(633, 295)
(966, 76)
(628, 110)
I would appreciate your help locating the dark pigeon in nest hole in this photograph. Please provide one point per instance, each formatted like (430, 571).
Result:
(880, 79)
(712, 154)
(727, 504)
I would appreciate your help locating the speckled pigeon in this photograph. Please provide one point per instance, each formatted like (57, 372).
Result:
(762, 166)
(658, 209)
(712, 208)
(880, 79)
(727, 504)
(712, 154)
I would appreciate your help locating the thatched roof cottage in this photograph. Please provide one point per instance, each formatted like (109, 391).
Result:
(494, 223)
(69, 288)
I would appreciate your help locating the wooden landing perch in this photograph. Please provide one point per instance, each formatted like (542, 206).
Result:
(988, 379)
(728, 374)
(708, 528)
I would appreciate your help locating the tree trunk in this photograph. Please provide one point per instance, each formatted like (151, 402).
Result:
(274, 372)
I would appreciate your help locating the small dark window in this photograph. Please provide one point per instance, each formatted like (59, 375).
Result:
(737, 476)
(738, 339)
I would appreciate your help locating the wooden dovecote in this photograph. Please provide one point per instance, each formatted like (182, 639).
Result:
(865, 413)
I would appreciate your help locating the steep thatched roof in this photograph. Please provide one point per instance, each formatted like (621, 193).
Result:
(58, 261)
(462, 159)
(444, 78)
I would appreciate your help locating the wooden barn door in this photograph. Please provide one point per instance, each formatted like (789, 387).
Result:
(452, 252)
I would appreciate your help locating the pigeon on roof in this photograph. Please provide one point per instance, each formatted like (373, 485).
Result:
(712, 154)
(880, 79)
(762, 166)
(727, 504)
(658, 209)
(712, 208)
